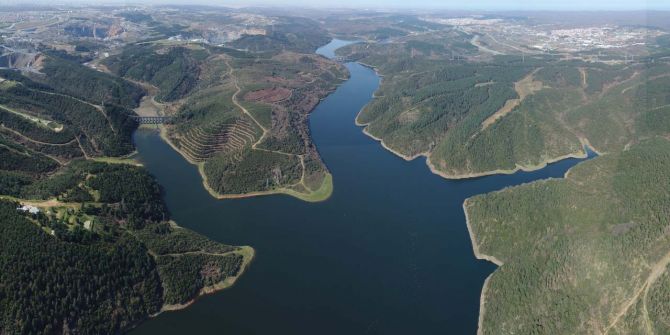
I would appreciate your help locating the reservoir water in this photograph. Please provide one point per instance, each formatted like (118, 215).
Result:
(388, 253)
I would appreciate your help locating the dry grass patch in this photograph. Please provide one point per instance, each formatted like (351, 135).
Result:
(524, 88)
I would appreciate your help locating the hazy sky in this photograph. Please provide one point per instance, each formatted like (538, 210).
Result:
(451, 4)
(472, 4)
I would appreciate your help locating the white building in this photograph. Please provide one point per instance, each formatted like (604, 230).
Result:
(28, 208)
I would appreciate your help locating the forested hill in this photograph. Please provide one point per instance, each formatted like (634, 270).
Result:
(174, 72)
(68, 110)
(72, 78)
(242, 116)
(101, 255)
(587, 254)
(474, 116)
(295, 34)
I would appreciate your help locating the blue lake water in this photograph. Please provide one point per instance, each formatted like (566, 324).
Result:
(388, 253)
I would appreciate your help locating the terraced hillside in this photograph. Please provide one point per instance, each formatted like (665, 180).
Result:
(199, 144)
(244, 120)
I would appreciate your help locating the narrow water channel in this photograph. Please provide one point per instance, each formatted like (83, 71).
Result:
(388, 253)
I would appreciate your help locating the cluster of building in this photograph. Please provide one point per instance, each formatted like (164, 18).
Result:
(60, 28)
(523, 35)
(606, 37)
(463, 21)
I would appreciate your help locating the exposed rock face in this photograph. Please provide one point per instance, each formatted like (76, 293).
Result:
(115, 30)
(22, 60)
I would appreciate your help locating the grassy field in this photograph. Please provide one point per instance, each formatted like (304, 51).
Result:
(48, 124)
(129, 159)
(321, 194)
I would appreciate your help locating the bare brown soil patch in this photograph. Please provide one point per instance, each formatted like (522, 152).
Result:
(268, 95)
(582, 72)
(38, 63)
(149, 107)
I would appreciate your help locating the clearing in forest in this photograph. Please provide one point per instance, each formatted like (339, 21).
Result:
(524, 88)
(268, 95)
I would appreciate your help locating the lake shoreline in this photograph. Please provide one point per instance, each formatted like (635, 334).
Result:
(248, 254)
(580, 154)
(317, 195)
(479, 255)
(427, 154)
(475, 246)
(314, 196)
(525, 168)
(382, 207)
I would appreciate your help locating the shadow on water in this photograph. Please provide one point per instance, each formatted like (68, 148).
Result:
(388, 253)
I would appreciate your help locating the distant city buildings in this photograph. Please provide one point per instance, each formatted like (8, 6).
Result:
(529, 37)
(59, 27)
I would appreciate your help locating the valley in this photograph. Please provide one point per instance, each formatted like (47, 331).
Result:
(155, 155)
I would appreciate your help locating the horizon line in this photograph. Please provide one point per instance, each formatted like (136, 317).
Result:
(150, 3)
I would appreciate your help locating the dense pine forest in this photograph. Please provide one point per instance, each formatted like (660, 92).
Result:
(103, 255)
(97, 116)
(570, 242)
(456, 111)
